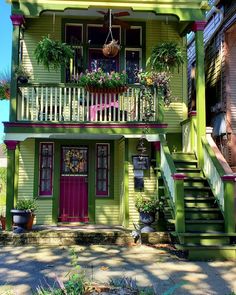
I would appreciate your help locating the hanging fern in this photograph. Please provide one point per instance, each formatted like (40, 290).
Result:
(52, 54)
(165, 57)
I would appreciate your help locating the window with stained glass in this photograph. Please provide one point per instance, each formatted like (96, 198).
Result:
(102, 169)
(46, 169)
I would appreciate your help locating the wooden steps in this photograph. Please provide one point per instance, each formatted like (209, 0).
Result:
(204, 235)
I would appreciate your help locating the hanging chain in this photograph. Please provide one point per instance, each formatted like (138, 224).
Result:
(110, 28)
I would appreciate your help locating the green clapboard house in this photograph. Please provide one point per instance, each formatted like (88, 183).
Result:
(77, 151)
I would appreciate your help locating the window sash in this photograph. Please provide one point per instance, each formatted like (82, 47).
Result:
(102, 169)
(46, 154)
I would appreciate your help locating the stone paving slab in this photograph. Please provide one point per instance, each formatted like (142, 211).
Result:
(22, 269)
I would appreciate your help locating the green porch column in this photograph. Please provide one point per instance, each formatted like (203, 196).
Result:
(11, 161)
(126, 185)
(179, 202)
(192, 116)
(198, 28)
(17, 21)
(229, 203)
(157, 148)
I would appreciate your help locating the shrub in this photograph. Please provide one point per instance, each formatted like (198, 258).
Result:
(28, 205)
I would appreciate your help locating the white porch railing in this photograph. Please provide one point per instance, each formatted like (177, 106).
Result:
(65, 103)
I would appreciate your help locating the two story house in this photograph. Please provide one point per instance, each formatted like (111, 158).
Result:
(76, 157)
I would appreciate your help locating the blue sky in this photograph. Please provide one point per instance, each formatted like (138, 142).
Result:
(5, 55)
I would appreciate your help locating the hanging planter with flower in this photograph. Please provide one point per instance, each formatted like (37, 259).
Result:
(165, 57)
(5, 81)
(53, 54)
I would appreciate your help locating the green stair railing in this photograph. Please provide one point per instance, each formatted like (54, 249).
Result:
(222, 184)
(174, 183)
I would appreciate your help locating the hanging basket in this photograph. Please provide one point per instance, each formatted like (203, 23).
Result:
(111, 49)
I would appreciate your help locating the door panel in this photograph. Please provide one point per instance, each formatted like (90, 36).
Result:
(74, 185)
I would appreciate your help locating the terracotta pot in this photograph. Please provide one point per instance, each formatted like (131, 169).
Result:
(3, 222)
(30, 222)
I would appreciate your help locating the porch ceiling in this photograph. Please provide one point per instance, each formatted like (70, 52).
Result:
(184, 10)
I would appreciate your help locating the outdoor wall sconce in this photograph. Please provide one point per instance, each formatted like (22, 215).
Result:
(141, 162)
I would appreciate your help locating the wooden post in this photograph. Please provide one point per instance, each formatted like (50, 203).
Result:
(229, 202)
(179, 202)
(192, 116)
(17, 21)
(11, 149)
(198, 28)
(126, 185)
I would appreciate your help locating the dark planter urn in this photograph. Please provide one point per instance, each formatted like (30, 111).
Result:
(22, 80)
(147, 219)
(20, 219)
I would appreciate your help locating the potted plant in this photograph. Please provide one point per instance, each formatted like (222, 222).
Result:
(147, 208)
(22, 74)
(5, 80)
(101, 82)
(159, 80)
(165, 57)
(23, 211)
(53, 54)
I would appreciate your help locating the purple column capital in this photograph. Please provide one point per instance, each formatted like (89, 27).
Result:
(178, 176)
(229, 177)
(156, 145)
(11, 144)
(192, 114)
(17, 19)
(199, 25)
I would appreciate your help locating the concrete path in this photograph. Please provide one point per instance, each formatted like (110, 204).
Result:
(22, 269)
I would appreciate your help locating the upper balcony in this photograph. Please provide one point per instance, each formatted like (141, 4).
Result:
(72, 104)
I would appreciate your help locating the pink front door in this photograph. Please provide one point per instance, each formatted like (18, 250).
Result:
(74, 185)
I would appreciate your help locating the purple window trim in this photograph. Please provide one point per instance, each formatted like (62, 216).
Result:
(106, 192)
(49, 192)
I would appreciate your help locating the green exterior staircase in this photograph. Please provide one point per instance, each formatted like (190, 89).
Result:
(204, 236)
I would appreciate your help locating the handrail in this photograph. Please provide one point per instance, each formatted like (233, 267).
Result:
(167, 167)
(222, 183)
(213, 172)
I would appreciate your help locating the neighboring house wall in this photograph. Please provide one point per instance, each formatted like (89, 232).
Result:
(220, 56)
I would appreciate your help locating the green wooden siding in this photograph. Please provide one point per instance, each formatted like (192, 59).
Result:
(121, 159)
(44, 211)
(36, 29)
(26, 182)
(157, 32)
(149, 184)
(26, 170)
(108, 209)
